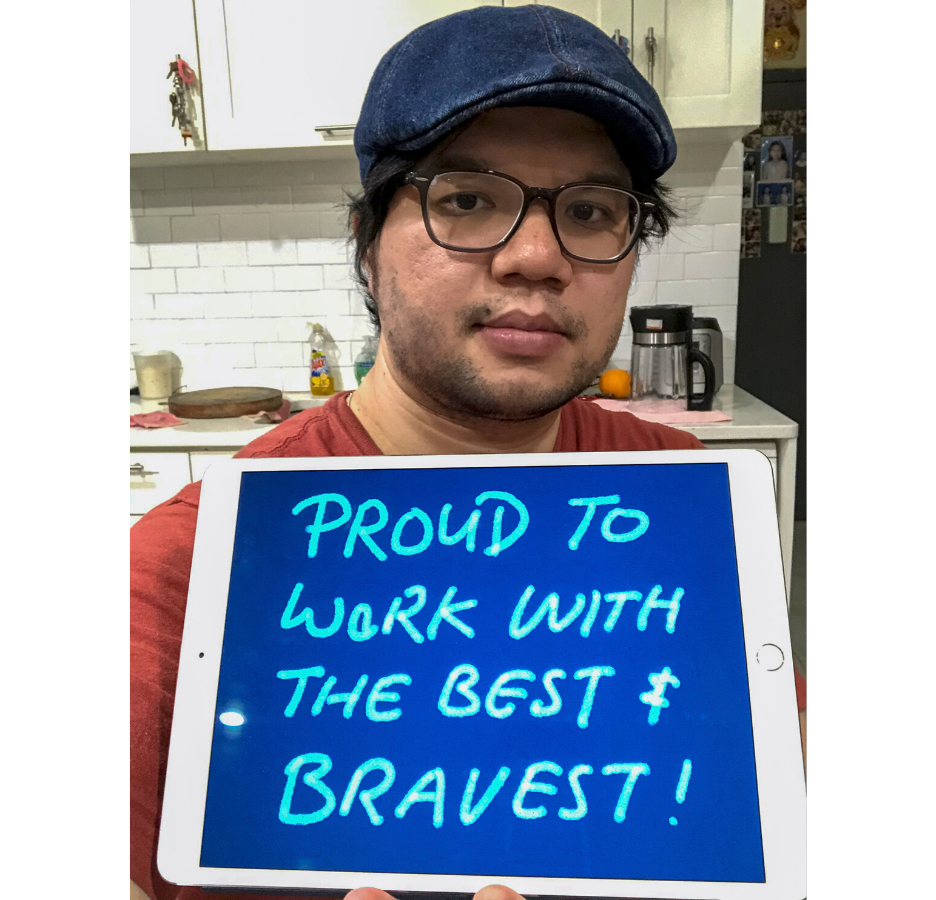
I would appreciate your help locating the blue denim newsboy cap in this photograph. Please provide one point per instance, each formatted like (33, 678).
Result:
(444, 73)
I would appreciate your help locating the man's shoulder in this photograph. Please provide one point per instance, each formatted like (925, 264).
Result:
(585, 426)
(328, 430)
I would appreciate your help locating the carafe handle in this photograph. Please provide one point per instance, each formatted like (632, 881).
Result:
(701, 401)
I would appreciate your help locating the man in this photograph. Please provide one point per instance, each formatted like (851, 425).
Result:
(499, 297)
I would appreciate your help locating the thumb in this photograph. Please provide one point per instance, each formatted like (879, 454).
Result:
(367, 893)
(494, 892)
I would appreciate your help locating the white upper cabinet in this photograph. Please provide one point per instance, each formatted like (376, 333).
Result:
(708, 60)
(274, 72)
(160, 29)
(608, 15)
(293, 73)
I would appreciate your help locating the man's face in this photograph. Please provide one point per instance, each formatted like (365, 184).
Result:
(511, 333)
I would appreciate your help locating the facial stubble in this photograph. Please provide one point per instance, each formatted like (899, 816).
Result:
(455, 384)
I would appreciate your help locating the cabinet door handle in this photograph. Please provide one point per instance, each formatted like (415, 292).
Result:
(139, 470)
(332, 129)
(650, 42)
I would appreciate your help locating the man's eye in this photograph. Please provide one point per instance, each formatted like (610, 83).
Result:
(588, 212)
(465, 201)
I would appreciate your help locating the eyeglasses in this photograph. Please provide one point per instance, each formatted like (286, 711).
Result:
(478, 211)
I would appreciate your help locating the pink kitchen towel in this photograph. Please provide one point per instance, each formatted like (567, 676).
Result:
(272, 415)
(665, 412)
(154, 420)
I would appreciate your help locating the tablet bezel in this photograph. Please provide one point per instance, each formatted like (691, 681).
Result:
(780, 777)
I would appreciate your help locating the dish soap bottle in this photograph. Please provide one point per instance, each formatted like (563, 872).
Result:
(365, 359)
(321, 380)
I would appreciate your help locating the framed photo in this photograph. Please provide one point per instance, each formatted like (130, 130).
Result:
(776, 158)
(751, 226)
(747, 190)
(775, 193)
(798, 236)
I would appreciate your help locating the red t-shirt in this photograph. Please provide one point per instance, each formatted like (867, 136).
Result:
(161, 559)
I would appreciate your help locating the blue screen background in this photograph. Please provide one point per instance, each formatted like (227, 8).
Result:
(689, 544)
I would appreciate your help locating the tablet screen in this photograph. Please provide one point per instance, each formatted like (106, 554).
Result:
(533, 671)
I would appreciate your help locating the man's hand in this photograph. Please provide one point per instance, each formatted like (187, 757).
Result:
(491, 892)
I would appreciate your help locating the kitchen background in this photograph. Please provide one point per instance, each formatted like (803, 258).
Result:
(235, 251)
(229, 262)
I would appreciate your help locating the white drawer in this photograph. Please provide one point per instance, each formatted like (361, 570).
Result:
(155, 477)
(201, 459)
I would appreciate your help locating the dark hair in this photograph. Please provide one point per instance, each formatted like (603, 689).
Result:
(367, 212)
(780, 145)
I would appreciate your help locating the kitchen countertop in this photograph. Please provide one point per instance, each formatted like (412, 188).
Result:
(752, 420)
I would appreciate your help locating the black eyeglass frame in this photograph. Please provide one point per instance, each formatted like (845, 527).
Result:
(422, 179)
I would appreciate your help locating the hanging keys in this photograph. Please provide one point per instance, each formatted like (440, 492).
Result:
(182, 77)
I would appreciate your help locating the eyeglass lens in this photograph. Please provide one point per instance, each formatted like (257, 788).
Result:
(475, 210)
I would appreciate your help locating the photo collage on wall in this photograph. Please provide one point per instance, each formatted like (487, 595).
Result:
(774, 174)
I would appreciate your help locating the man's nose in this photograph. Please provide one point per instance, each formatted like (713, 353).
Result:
(533, 253)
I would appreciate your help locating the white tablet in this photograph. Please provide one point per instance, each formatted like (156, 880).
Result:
(567, 673)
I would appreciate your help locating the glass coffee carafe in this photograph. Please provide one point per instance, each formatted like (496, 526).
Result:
(662, 355)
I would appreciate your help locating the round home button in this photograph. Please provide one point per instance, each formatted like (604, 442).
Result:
(770, 656)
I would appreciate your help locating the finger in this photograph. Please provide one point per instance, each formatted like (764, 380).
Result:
(497, 892)
(367, 893)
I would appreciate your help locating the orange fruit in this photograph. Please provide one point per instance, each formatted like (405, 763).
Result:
(615, 382)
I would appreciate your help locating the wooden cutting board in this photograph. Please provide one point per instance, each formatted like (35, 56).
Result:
(224, 403)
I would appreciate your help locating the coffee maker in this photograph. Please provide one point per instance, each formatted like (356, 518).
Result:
(662, 355)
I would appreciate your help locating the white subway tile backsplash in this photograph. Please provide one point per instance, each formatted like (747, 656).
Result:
(297, 278)
(285, 225)
(337, 277)
(180, 306)
(295, 379)
(334, 224)
(277, 303)
(222, 306)
(271, 253)
(152, 281)
(173, 256)
(245, 227)
(246, 255)
(317, 196)
(200, 280)
(289, 173)
(671, 266)
(150, 229)
(224, 253)
(684, 238)
(216, 201)
(727, 318)
(238, 175)
(248, 278)
(715, 210)
(717, 264)
(141, 307)
(281, 355)
(139, 256)
(167, 203)
(323, 251)
(233, 355)
(147, 179)
(261, 199)
(725, 237)
(195, 228)
(188, 177)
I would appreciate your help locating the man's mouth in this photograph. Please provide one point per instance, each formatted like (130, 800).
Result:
(519, 334)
